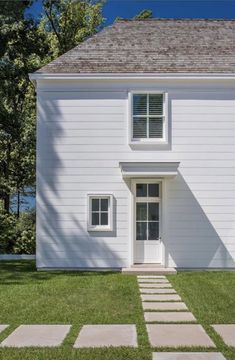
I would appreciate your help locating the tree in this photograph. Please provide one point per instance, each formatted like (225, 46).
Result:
(69, 22)
(22, 49)
(144, 14)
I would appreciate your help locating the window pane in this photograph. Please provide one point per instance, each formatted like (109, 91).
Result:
(153, 213)
(141, 211)
(156, 128)
(104, 204)
(104, 219)
(141, 190)
(155, 104)
(95, 219)
(153, 230)
(139, 104)
(95, 204)
(153, 190)
(139, 127)
(141, 231)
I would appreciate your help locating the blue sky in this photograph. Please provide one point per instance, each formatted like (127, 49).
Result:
(221, 9)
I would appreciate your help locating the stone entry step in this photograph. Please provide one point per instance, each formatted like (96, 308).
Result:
(170, 316)
(188, 356)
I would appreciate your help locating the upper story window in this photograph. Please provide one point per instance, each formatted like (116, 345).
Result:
(148, 118)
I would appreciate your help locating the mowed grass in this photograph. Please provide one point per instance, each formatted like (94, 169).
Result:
(210, 296)
(78, 298)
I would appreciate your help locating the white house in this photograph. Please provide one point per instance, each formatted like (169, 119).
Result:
(136, 148)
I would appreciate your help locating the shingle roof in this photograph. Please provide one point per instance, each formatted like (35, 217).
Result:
(154, 46)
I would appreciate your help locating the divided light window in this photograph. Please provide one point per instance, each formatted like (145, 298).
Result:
(148, 116)
(100, 212)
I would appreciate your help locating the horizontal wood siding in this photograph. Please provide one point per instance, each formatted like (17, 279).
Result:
(82, 136)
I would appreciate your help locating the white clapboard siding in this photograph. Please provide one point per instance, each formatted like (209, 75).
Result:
(82, 137)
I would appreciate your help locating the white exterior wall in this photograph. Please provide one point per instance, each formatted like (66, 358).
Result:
(82, 137)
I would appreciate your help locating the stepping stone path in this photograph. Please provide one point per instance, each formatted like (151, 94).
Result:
(156, 297)
(169, 324)
(227, 332)
(106, 335)
(37, 335)
(188, 356)
(3, 327)
(173, 322)
(164, 335)
(164, 316)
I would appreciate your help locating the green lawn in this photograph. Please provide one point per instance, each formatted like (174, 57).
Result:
(30, 297)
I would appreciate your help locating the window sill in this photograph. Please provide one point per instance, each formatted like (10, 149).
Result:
(99, 228)
(152, 144)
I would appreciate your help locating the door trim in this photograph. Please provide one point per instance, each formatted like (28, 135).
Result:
(133, 215)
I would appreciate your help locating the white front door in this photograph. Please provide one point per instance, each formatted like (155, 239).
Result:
(147, 222)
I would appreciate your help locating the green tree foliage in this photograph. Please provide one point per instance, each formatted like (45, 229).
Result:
(144, 14)
(25, 46)
(21, 53)
(68, 22)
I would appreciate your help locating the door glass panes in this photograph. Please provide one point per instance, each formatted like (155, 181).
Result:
(141, 190)
(150, 190)
(99, 211)
(141, 230)
(141, 211)
(153, 211)
(147, 211)
(153, 230)
(153, 190)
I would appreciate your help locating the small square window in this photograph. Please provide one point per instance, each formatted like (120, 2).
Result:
(100, 213)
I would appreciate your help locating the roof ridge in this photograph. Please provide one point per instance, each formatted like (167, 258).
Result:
(172, 19)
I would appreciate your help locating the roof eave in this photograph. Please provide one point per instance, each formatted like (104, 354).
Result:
(126, 76)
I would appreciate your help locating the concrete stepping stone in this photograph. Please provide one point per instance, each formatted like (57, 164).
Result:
(175, 335)
(157, 291)
(37, 335)
(153, 281)
(164, 306)
(106, 335)
(155, 286)
(171, 316)
(188, 356)
(151, 277)
(161, 297)
(3, 327)
(227, 333)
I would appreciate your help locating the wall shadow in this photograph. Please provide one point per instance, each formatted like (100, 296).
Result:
(191, 239)
(62, 237)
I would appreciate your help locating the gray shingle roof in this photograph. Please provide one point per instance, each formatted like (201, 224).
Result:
(153, 46)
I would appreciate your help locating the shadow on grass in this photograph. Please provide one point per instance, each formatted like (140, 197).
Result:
(24, 271)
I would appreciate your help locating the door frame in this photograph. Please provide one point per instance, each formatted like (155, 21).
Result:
(142, 180)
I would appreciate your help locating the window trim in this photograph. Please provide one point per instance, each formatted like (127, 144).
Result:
(148, 141)
(91, 227)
